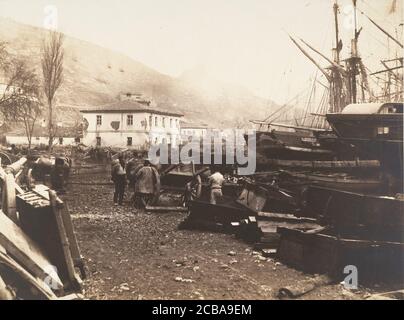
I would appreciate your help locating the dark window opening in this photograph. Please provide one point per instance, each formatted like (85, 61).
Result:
(129, 141)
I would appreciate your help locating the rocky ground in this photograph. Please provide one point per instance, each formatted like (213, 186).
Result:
(134, 255)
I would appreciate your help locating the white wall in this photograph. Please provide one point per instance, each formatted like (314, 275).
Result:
(141, 132)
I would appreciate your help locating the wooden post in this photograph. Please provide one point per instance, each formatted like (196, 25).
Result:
(74, 247)
(57, 207)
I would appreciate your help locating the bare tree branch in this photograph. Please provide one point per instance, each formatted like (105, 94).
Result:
(52, 70)
(20, 103)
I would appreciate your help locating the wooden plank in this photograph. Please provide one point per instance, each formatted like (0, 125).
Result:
(74, 247)
(57, 210)
(41, 190)
(285, 217)
(25, 251)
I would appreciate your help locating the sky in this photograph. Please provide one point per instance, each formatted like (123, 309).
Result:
(239, 41)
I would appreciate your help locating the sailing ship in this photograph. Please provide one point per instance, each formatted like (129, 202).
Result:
(319, 140)
(376, 128)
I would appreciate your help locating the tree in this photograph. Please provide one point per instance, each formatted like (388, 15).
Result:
(52, 70)
(20, 101)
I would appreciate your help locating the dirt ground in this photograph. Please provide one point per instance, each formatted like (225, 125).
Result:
(131, 254)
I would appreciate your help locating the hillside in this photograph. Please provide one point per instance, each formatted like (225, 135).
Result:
(96, 75)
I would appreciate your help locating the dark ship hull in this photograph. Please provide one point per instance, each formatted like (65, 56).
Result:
(304, 145)
(378, 133)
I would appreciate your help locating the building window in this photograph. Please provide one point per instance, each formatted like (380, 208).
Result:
(37, 138)
(171, 123)
(77, 140)
(164, 122)
(383, 130)
(176, 123)
(156, 122)
(129, 141)
(98, 142)
(60, 140)
(99, 120)
(129, 120)
(150, 121)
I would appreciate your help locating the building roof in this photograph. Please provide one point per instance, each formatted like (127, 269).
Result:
(129, 106)
(368, 108)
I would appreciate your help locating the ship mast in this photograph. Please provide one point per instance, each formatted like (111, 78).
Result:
(353, 62)
(336, 84)
(337, 40)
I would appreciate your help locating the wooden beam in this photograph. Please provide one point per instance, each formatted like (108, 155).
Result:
(71, 235)
(311, 59)
(340, 68)
(57, 211)
(384, 31)
(387, 70)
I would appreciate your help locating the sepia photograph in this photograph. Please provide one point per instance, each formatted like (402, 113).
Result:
(201, 155)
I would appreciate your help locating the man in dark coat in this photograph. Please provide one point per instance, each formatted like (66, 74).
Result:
(147, 185)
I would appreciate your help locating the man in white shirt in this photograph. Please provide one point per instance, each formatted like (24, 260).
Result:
(215, 182)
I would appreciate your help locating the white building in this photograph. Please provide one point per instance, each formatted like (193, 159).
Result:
(130, 123)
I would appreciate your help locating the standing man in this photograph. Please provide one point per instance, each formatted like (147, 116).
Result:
(147, 185)
(118, 176)
(132, 167)
(216, 183)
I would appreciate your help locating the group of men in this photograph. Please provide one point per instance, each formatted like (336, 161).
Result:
(142, 177)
